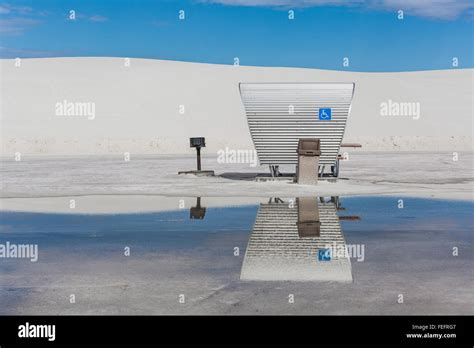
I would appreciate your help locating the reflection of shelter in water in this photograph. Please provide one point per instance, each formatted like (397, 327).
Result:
(286, 240)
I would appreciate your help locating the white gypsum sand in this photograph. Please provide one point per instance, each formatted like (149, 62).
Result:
(110, 185)
(137, 109)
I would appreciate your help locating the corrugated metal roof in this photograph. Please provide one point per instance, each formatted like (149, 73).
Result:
(279, 114)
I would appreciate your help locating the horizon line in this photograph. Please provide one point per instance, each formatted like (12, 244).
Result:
(244, 66)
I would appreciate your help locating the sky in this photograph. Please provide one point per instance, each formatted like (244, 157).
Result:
(369, 33)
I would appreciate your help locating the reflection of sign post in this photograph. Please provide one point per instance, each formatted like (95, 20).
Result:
(325, 114)
(197, 212)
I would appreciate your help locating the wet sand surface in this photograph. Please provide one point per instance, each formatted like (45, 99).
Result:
(408, 252)
(431, 175)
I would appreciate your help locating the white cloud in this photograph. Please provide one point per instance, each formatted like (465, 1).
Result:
(15, 20)
(159, 23)
(441, 9)
(16, 26)
(98, 18)
(11, 9)
(8, 52)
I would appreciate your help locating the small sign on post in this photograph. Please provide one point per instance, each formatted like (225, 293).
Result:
(197, 143)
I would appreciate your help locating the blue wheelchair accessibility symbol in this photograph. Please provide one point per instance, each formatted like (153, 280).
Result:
(325, 114)
(324, 254)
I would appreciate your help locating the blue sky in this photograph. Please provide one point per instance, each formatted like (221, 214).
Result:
(258, 32)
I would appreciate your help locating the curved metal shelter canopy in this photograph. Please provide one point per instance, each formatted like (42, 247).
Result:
(279, 114)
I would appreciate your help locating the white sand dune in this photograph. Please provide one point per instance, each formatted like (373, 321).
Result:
(137, 108)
